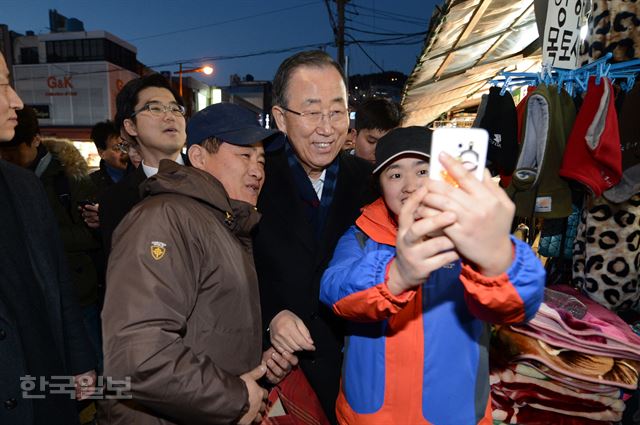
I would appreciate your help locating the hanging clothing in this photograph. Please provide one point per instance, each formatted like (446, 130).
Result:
(592, 156)
(500, 120)
(536, 187)
(606, 257)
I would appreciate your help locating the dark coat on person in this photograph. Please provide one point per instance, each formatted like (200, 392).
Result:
(47, 259)
(290, 261)
(64, 174)
(101, 178)
(116, 201)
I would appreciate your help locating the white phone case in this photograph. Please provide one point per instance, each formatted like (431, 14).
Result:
(468, 145)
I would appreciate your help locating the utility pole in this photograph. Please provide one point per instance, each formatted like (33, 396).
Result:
(340, 31)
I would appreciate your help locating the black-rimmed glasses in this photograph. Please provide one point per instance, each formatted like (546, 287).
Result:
(158, 109)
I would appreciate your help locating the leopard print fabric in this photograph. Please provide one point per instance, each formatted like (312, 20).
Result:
(606, 255)
(614, 26)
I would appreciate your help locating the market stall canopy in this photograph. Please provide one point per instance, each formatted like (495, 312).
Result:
(469, 43)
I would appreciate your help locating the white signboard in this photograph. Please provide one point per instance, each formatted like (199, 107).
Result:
(561, 43)
(75, 94)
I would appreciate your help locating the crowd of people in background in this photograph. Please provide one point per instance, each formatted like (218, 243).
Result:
(208, 257)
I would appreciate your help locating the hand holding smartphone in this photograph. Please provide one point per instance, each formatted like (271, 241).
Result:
(84, 202)
(467, 145)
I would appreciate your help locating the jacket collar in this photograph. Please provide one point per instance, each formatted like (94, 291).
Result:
(238, 216)
(377, 223)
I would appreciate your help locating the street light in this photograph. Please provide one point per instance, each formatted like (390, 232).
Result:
(205, 69)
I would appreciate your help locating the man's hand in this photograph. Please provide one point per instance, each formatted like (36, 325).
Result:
(257, 396)
(90, 215)
(417, 255)
(85, 384)
(288, 333)
(278, 365)
(484, 214)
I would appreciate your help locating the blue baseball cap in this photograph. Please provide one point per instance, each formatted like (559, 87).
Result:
(232, 124)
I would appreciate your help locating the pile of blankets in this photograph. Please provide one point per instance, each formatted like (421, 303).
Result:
(564, 370)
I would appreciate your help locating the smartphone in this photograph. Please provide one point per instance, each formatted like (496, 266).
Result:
(83, 203)
(467, 145)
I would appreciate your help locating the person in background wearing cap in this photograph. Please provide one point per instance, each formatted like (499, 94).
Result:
(41, 329)
(150, 117)
(312, 194)
(419, 276)
(182, 309)
(374, 119)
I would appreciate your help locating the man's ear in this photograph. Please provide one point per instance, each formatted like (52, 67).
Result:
(197, 156)
(278, 115)
(130, 127)
(36, 141)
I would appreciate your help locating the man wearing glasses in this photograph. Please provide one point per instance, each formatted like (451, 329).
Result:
(113, 158)
(150, 117)
(312, 194)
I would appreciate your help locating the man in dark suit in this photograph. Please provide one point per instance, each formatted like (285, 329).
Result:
(113, 159)
(150, 116)
(41, 330)
(312, 194)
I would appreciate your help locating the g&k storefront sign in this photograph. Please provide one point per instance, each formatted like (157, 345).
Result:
(60, 86)
(77, 93)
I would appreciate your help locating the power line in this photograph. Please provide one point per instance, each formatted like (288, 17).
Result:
(373, 27)
(365, 52)
(397, 41)
(193, 60)
(222, 22)
(321, 45)
(332, 20)
(385, 33)
(412, 22)
(391, 14)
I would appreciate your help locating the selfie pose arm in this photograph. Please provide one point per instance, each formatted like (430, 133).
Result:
(503, 279)
(372, 281)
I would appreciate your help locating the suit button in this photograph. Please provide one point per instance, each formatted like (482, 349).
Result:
(10, 404)
(314, 316)
(3, 334)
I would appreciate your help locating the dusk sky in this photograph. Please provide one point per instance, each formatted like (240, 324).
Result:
(197, 32)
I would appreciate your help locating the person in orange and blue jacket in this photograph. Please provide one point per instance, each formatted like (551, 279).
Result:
(419, 277)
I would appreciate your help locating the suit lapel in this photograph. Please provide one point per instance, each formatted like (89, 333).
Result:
(280, 195)
(134, 182)
(341, 196)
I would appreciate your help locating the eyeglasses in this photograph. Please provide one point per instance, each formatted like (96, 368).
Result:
(119, 147)
(158, 109)
(122, 146)
(315, 117)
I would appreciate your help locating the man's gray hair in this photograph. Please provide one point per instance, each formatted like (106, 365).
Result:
(310, 58)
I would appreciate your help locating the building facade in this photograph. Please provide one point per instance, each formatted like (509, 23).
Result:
(72, 78)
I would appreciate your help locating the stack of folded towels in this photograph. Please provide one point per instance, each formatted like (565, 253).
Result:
(564, 368)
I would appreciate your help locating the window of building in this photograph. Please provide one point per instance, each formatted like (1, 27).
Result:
(29, 55)
(90, 50)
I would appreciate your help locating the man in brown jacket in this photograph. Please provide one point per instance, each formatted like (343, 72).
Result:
(182, 312)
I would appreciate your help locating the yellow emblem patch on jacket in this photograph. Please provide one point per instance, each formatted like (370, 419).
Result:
(158, 249)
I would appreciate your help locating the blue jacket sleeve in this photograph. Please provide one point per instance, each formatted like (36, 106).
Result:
(354, 284)
(512, 297)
